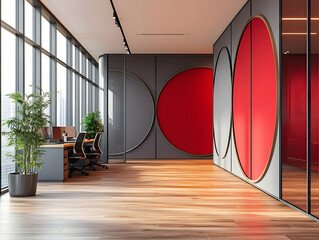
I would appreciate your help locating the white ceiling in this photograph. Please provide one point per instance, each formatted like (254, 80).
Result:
(200, 23)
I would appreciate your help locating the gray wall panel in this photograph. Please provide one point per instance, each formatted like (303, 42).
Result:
(223, 41)
(237, 27)
(115, 61)
(270, 9)
(155, 71)
(143, 66)
(167, 67)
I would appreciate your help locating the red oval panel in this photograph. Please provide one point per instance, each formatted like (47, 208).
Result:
(185, 111)
(255, 99)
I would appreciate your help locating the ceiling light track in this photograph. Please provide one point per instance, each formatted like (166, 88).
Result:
(118, 23)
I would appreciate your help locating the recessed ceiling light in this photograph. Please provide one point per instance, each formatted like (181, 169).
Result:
(299, 19)
(298, 33)
(162, 34)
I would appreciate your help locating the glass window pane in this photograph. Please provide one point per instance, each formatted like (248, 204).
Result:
(314, 108)
(45, 75)
(61, 47)
(93, 97)
(294, 97)
(61, 96)
(101, 104)
(93, 74)
(87, 102)
(8, 85)
(28, 69)
(80, 101)
(87, 67)
(73, 56)
(28, 20)
(45, 34)
(73, 97)
(80, 63)
(8, 12)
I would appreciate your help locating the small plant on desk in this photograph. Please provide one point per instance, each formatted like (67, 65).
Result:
(22, 132)
(92, 124)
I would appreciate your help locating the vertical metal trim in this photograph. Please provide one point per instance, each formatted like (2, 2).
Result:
(214, 67)
(1, 103)
(69, 84)
(90, 97)
(106, 107)
(36, 51)
(231, 62)
(77, 89)
(251, 96)
(53, 75)
(124, 108)
(20, 47)
(280, 100)
(83, 88)
(308, 106)
(155, 112)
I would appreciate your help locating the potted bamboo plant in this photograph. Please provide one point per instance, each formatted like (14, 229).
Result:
(92, 124)
(23, 134)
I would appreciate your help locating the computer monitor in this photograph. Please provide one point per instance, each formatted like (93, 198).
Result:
(57, 132)
(45, 132)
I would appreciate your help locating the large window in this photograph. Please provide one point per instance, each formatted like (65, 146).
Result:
(45, 34)
(8, 85)
(8, 12)
(101, 105)
(61, 95)
(61, 47)
(28, 26)
(45, 75)
(28, 69)
(73, 99)
(26, 61)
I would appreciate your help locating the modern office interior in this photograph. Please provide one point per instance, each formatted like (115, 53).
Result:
(161, 119)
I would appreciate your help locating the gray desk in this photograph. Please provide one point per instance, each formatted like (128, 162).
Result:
(55, 162)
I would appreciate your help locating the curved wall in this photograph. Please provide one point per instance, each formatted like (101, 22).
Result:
(256, 104)
(255, 98)
(223, 107)
(185, 110)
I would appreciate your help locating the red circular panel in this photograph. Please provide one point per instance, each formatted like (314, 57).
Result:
(185, 111)
(255, 99)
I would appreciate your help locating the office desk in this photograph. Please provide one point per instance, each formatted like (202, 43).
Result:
(55, 162)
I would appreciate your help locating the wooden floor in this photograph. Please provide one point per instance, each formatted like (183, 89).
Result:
(155, 199)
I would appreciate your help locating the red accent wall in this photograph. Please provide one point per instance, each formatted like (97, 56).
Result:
(255, 99)
(241, 102)
(294, 119)
(185, 111)
(264, 97)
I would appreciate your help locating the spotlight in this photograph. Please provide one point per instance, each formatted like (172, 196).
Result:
(117, 22)
(114, 15)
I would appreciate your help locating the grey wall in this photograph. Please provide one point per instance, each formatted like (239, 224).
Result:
(155, 71)
(230, 38)
(223, 42)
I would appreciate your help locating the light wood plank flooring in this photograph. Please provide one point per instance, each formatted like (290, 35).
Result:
(152, 199)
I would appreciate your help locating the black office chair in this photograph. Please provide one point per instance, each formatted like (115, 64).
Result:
(93, 151)
(76, 154)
